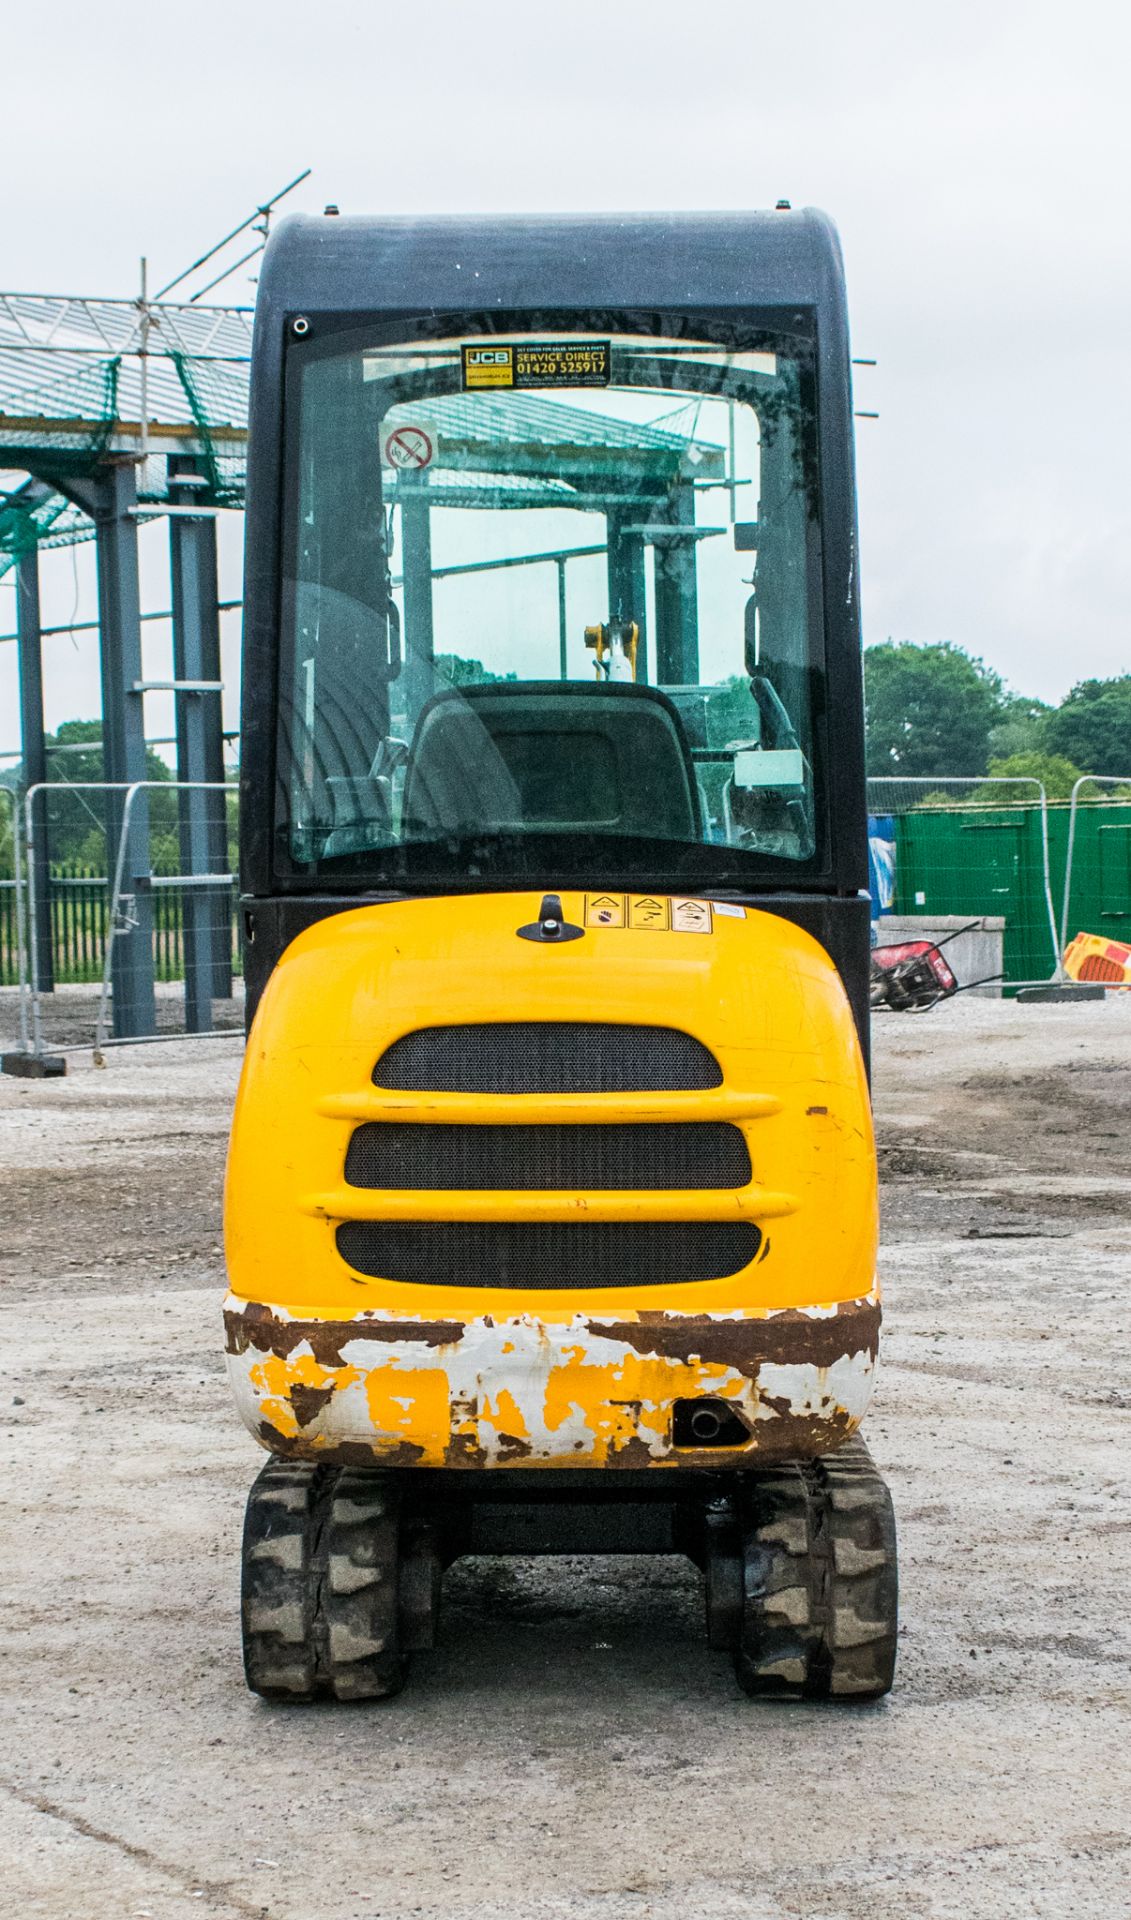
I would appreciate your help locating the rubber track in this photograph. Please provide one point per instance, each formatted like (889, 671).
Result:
(819, 1570)
(320, 1563)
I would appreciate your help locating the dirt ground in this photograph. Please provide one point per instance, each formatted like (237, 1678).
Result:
(574, 1749)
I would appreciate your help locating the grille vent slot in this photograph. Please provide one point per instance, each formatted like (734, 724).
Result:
(557, 1256)
(533, 1056)
(683, 1154)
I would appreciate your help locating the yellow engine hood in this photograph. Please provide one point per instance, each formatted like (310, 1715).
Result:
(758, 992)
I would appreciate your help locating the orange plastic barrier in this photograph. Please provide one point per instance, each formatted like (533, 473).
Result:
(1092, 956)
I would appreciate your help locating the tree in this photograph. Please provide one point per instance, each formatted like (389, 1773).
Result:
(76, 830)
(83, 760)
(1019, 727)
(731, 713)
(1092, 726)
(1057, 775)
(929, 709)
(459, 672)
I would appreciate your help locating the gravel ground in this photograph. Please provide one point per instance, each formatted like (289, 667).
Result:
(574, 1749)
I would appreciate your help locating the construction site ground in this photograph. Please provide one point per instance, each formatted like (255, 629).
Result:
(573, 1748)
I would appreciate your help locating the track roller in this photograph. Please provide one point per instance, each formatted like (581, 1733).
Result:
(321, 1585)
(819, 1583)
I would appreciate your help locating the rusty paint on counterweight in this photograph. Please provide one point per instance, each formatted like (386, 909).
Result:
(496, 1391)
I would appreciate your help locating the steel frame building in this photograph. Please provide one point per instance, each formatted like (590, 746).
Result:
(116, 411)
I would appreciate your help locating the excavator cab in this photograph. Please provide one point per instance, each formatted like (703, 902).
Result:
(551, 1194)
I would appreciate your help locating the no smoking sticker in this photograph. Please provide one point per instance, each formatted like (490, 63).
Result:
(407, 448)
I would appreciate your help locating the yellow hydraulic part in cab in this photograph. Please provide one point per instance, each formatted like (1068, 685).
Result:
(404, 1291)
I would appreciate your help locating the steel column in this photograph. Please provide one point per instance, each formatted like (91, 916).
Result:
(563, 622)
(627, 583)
(677, 602)
(29, 631)
(206, 915)
(113, 494)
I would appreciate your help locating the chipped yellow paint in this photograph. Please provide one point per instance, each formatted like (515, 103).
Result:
(279, 1376)
(604, 1394)
(276, 1378)
(410, 1405)
(503, 1413)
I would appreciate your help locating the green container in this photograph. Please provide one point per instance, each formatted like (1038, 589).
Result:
(974, 861)
(990, 860)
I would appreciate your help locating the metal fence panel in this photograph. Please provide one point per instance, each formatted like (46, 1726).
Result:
(78, 924)
(88, 915)
(79, 905)
(1096, 895)
(15, 923)
(9, 935)
(126, 915)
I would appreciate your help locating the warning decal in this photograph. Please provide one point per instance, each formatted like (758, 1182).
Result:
(645, 911)
(537, 363)
(691, 916)
(604, 909)
(648, 912)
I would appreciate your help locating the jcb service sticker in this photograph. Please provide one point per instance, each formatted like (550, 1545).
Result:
(535, 363)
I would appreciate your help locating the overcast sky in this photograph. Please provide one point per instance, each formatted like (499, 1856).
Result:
(975, 158)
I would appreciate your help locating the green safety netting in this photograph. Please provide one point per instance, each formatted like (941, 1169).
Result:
(80, 378)
(26, 523)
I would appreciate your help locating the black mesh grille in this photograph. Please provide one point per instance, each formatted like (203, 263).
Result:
(559, 1255)
(696, 1153)
(553, 1056)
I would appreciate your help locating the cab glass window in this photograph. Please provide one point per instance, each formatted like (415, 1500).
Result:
(551, 605)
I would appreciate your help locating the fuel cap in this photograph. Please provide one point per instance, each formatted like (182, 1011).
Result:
(551, 928)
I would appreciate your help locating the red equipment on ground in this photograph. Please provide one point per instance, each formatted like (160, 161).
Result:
(911, 977)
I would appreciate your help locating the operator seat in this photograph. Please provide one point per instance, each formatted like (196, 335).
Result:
(551, 756)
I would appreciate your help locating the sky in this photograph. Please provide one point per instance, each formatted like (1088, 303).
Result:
(975, 157)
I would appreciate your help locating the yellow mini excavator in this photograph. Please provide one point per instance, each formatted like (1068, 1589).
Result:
(551, 1197)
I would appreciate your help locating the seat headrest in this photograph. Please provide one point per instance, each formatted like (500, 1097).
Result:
(551, 756)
